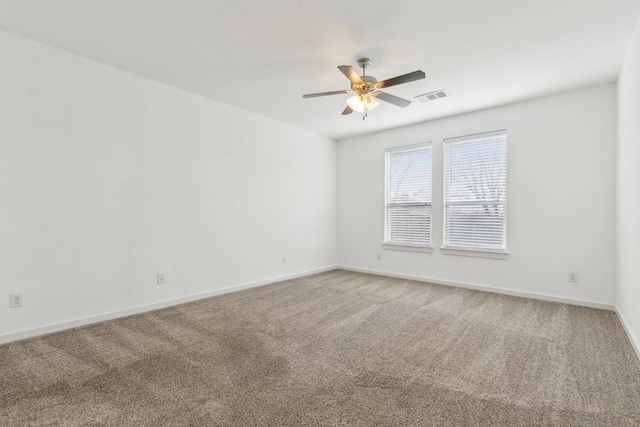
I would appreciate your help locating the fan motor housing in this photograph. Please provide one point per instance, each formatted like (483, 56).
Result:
(368, 85)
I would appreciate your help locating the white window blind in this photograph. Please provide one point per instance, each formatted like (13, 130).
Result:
(475, 192)
(408, 195)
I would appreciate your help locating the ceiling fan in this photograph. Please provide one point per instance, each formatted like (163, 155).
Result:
(367, 89)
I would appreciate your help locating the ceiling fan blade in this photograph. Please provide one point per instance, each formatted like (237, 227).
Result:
(392, 99)
(347, 110)
(335, 92)
(405, 78)
(351, 74)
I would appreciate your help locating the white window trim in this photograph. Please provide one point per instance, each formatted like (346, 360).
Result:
(479, 253)
(408, 248)
(394, 246)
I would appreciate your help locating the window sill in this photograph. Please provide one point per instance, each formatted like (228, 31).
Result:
(409, 248)
(475, 253)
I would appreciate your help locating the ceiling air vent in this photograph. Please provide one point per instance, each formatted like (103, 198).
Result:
(432, 96)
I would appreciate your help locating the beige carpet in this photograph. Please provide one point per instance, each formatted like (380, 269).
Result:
(337, 348)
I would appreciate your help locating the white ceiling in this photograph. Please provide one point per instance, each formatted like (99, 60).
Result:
(262, 56)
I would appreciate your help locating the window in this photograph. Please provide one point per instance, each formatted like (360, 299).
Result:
(475, 192)
(408, 197)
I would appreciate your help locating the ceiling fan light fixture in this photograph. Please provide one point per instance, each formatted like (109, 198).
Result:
(366, 89)
(363, 103)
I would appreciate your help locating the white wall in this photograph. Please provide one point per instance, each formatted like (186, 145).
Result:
(107, 178)
(628, 191)
(561, 199)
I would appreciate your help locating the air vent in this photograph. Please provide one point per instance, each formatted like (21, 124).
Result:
(432, 96)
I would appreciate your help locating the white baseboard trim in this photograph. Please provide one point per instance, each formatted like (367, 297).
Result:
(30, 333)
(485, 288)
(635, 343)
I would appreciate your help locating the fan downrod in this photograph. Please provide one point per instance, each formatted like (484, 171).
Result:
(364, 63)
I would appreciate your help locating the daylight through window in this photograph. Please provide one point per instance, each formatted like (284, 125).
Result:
(408, 195)
(475, 192)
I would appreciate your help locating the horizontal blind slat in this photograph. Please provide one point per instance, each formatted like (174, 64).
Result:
(475, 178)
(408, 192)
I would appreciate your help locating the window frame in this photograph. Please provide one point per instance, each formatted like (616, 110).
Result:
(499, 253)
(401, 246)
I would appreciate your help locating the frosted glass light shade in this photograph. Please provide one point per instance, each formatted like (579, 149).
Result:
(363, 103)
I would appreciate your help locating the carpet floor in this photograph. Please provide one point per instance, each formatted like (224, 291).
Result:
(336, 348)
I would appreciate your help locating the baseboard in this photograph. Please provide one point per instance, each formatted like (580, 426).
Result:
(485, 288)
(30, 333)
(632, 338)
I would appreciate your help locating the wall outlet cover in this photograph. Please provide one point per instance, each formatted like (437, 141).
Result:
(15, 300)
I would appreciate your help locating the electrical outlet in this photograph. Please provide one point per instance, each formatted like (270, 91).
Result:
(15, 300)
(284, 259)
(378, 257)
(573, 277)
(161, 279)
